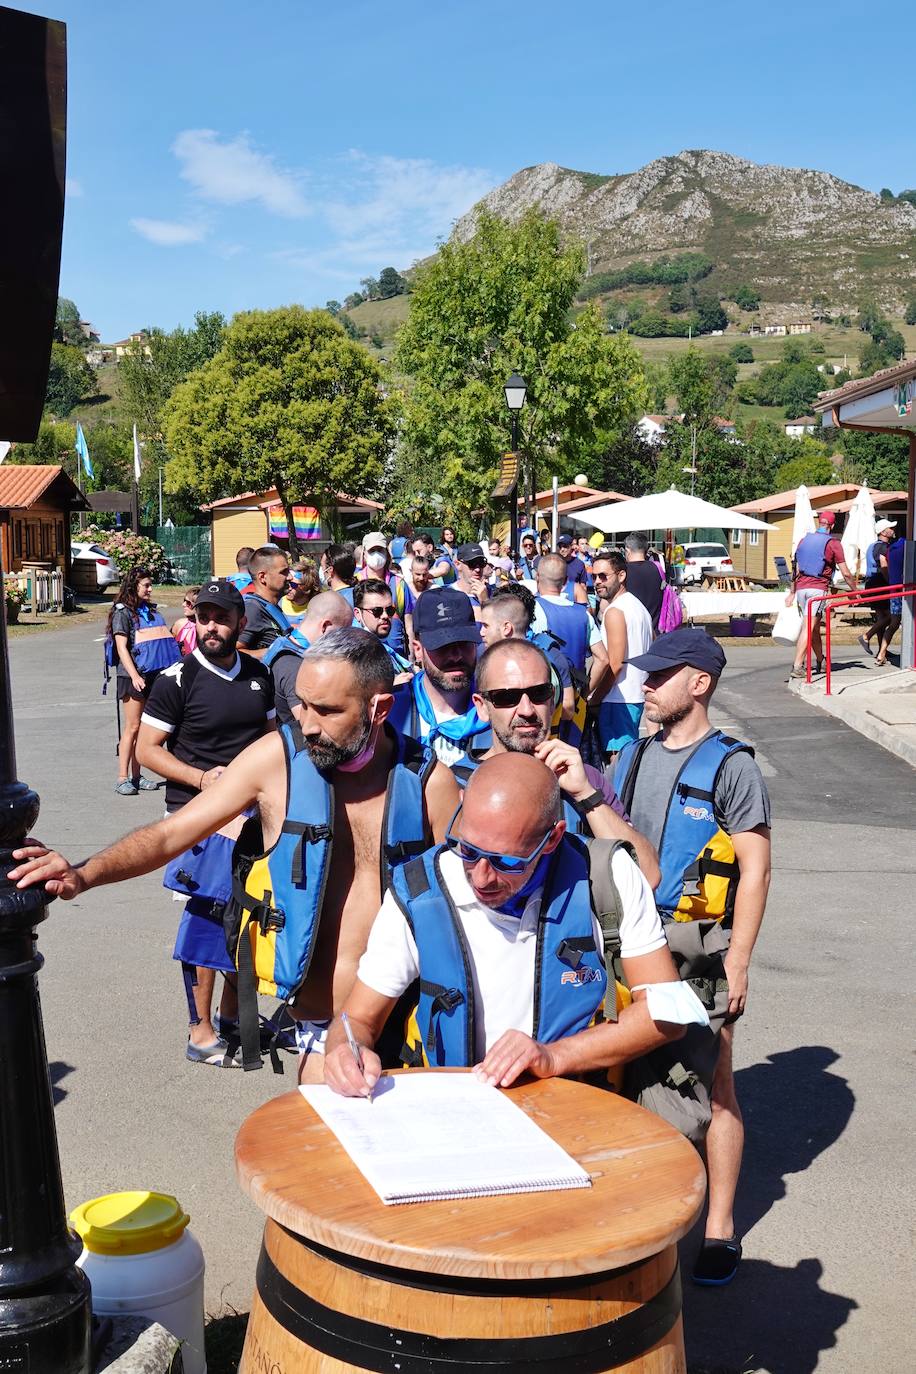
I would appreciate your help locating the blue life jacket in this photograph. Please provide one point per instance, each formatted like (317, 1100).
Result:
(153, 646)
(240, 580)
(277, 616)
(571, 980)
(809, 556)
(570, 625)
(294, 642)
(696, 856)
(272, 920)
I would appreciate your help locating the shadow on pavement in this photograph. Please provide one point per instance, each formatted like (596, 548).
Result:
(772, 1318)
(58, 1070)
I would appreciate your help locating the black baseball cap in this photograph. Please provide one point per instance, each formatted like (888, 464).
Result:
(471, 553)
(444, 615)
(682, 646)
(221, 593)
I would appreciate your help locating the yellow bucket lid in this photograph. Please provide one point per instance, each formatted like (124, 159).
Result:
(129, 1223)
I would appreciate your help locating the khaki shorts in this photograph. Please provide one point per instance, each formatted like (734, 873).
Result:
(815, 594)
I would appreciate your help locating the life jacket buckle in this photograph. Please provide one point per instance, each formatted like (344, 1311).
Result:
(448, 1000)
(267, 917)
(568, 955)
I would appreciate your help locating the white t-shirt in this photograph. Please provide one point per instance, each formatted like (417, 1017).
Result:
(446, 751)
(628, 685)
(501, 948)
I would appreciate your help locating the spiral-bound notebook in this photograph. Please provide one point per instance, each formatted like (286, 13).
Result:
(430, 1136)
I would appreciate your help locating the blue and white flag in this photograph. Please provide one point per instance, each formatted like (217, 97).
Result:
(83, 450)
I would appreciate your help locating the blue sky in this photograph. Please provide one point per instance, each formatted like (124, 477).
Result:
(226, 155)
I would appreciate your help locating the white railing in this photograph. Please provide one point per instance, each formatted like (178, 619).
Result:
(42, 589)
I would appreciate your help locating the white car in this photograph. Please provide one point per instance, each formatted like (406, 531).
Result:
(702, 558)
(106, 569)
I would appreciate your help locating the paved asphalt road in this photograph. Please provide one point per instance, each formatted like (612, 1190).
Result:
(826, 1202)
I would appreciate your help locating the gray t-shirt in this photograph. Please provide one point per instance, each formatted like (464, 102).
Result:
(741, 801)
(285, 670)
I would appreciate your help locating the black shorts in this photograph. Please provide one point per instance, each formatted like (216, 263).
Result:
(127, 692)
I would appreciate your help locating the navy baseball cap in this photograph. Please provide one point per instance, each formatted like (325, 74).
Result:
(564, 541)
(682, 646)
(221, 593)
(444, 615)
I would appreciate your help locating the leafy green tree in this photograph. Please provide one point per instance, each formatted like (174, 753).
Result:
(814, 469)
(909, 196)
(288, 401)
(657, 384)
(495, 304)
(870, 315)
(67, 323)
(709, 314)
(701, 385)
(816, 348)
(910, 312)
(148, 378)
(70, 379)
(370, 287)
(882, 458)
(351, 328)
(887, 194)
(873, 356)
(390, 283)
(741, 353)
(354, 299)
(333, 308)
(747, 298)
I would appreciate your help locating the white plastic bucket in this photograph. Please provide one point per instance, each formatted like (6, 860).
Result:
(137, 1269)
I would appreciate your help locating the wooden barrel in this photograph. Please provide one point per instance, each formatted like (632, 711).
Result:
(554, 1283)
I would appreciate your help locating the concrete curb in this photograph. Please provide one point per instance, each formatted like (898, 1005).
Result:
(856, 715)
(140, 1346)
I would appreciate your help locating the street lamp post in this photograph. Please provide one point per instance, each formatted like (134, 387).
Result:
(515, 392)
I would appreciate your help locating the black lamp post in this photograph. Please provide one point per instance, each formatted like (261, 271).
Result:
(515, 391)
(44, 1298)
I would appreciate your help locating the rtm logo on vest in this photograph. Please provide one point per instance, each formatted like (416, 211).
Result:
(699, 813)
(578, 977)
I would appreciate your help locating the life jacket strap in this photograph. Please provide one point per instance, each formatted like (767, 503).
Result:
(415, 877)
(249, 1021)
(308, 834)
(570, 951)
(404, 849)
(411, 1056)
(444, 999)
(704, 865)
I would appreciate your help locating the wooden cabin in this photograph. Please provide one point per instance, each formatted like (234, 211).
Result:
(36, 503)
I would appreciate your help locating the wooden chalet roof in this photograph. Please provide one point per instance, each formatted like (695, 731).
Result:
(23, 485)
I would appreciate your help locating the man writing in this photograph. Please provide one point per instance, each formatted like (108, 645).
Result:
(816, 559)
(200, 714)
(627, 627)
(349, 759)
(700, 799)
(504, 907)
(268, 567)
(326, 611)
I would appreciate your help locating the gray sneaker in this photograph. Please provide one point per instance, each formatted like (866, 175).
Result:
(126, 788)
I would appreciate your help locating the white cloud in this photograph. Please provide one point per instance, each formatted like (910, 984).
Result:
(234, 172)
(73, 188)
(168, 233)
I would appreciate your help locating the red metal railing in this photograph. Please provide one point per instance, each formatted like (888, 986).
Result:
(838, 601)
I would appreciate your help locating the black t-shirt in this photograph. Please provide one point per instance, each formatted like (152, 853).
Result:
(284, 671)
(210, 713)
(645, 582)
(260, 627)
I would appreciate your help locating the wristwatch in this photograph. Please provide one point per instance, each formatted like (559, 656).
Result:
(591, 802)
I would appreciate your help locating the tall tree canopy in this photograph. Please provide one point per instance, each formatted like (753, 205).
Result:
(70, 378)
(485, 308)
(288, 401)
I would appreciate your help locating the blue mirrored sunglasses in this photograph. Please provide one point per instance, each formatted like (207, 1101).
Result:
(503, 863)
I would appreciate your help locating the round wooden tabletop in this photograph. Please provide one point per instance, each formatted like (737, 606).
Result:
(648, 1185)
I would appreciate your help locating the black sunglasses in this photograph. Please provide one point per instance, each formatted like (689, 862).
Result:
(501, 697)
(378, 611)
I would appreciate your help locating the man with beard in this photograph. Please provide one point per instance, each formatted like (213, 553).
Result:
(700, 797)
(201, 713)
(349, 759)
(436, 707)
(515, 694)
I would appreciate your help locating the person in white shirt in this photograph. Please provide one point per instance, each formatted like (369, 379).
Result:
(518, 888)
(616, 685)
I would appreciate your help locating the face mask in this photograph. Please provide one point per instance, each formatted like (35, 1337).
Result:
(376, 560)
(365, 754)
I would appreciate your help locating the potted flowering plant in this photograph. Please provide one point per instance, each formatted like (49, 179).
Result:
(12, 599)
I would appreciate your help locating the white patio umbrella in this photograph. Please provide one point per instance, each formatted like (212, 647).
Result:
(665, 510)
(803, 519)
(859, 534)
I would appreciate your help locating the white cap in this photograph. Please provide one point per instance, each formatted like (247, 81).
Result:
(882, 525)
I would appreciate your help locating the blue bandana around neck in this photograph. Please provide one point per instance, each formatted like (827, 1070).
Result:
(295, 636)
(515, 905)
(456, 728)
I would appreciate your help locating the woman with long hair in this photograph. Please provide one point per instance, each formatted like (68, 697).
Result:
(184, 629)
(139, 645)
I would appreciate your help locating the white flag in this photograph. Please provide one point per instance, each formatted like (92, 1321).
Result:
(136, 456)
(5, 447)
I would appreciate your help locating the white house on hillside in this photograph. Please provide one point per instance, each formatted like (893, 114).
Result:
(805, 424)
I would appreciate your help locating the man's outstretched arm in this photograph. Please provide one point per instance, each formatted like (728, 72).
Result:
(154, 845)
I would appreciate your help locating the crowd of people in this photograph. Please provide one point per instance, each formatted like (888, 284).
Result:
(474, 801)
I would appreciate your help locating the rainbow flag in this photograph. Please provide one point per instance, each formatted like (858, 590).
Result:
(306, 519)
